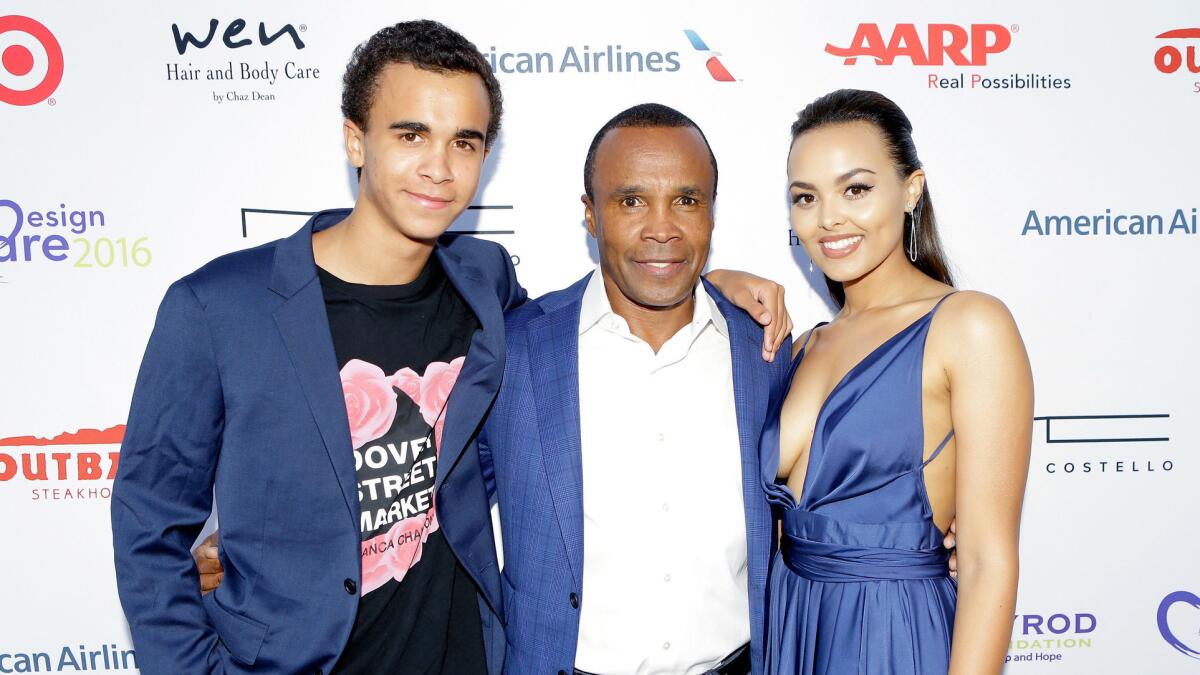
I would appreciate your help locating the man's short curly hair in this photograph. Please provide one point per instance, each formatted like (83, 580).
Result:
(425, 44)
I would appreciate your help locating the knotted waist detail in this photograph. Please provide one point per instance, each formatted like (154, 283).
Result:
(830, 562)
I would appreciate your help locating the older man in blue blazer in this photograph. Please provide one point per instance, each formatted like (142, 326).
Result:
(623, 448)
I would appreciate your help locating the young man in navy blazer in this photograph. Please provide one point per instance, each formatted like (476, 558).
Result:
(308, 383)
(327, 389)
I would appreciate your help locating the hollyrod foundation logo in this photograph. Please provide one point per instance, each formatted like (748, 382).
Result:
(1179, 622)
(1048, 638)
(239, 81)
(945, 44)
(59, 235)
(31, 61)
(1179, 53)
(66, 472)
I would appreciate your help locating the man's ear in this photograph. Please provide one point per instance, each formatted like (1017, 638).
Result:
(355, 144)
(589, 214)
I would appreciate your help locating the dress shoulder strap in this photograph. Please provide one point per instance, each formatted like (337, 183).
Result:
(939, 449)
(939, 302)
(810, 334)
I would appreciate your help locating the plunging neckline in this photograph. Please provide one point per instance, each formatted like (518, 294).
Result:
(796, 500)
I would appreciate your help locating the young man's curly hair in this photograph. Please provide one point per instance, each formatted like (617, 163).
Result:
(425, 44)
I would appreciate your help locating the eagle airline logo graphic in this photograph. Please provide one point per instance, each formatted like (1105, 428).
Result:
(716, 69)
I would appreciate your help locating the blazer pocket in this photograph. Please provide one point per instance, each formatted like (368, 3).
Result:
(242, 636)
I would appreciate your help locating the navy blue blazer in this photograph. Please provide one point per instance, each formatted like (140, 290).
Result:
(531, 453)
(239, 395)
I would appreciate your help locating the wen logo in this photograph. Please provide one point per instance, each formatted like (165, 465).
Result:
(31, 61)
(1174, 638)
(232, 30)
(714, 65)
(963, 46)
(1168, 59)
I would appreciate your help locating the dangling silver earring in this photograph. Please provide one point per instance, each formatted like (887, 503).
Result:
(914, 216)
(810, 265)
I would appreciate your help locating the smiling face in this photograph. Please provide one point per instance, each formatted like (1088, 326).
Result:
(848, 199)
(653, 214)
(423, 150)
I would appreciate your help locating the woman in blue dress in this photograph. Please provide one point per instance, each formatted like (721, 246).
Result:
(912, 409)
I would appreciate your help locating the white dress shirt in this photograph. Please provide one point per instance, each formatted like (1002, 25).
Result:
(664, 531)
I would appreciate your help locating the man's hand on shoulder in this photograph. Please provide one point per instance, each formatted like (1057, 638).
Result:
(761, 299)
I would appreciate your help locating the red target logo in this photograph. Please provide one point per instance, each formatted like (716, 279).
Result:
(31, 61)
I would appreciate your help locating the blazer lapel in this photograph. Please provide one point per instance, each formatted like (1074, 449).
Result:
(304, 326)
(751, 393)
(554, 365)
(751, 380)
(479, 380)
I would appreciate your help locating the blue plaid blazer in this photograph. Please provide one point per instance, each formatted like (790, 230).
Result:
(530, 453)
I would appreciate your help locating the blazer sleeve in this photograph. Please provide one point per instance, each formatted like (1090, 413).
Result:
(162, 495)
(781, 366)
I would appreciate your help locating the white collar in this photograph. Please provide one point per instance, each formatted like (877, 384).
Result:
(596, 309)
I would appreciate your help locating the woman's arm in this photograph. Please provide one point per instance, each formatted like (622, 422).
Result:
(991, 404)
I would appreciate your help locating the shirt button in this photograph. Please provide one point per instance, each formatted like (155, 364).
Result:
(666, 506)
(350, 587)
(666, 577)
(574, 601)
(666, 646)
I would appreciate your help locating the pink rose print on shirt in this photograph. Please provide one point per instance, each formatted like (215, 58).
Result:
(370, 401)
(430, 391)
(392, 554)
(408, 381)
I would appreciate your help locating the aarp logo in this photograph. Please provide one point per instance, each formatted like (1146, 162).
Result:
(31, 61)
(931, 46)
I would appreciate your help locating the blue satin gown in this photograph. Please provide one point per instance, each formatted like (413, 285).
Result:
(860, 584)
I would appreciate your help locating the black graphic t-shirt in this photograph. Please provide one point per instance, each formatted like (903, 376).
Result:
(400, 349)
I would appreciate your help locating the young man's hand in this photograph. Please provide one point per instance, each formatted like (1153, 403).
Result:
(761, 299)
(208, 564)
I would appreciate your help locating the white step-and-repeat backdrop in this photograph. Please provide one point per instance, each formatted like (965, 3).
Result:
(139, 140)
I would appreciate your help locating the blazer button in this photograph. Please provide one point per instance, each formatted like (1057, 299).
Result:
(574, 601)
(350, 587)
(562, 672)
